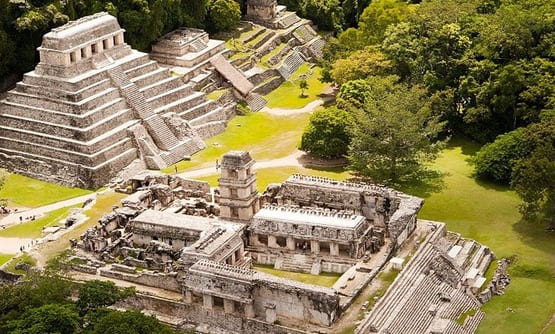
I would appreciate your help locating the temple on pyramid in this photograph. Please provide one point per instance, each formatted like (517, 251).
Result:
(93, 105)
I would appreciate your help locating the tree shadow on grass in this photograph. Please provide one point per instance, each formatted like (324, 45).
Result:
(468, 147)
(424, 183)
(535, 235)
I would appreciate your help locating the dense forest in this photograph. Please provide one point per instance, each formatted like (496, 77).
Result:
(412, 75)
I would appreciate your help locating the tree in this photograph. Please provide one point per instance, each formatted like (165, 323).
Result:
(533, 176)
(303, 85)
(495, 161)
(327, 134)
(327, 14)
(95, 294)
(379, 15)
(224, 14)
(50, 318)
(129, 322)
(394, 135)
(359, 65)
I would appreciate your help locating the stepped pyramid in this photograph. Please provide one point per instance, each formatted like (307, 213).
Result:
(93, 105)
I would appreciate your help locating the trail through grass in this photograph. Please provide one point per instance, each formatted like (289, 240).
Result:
(33, 229)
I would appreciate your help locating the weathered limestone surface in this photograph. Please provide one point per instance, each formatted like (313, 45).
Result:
(93, 105)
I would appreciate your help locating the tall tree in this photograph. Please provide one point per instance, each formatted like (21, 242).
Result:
(394, 135)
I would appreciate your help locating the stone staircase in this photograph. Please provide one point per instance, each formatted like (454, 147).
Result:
(256, 102)
(287, 19)
(164, 138)
(296, 263)
(290, 64)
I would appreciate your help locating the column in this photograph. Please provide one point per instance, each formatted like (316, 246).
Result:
(99, 47)
(253, 240)
(272, 242)
(334, 249)
(67, 59)
(109, 43)
(229, 306)
(291, 243)
(315, 246)
(77, 55)
(271, 315)
(207, 302)
(188, 297)
(87, 51)
(118, 39)
(249, 310)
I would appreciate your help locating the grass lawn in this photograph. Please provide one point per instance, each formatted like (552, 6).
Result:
(269, 55)
(287, 95)
(324, 279)
(254, 132)
(25, 258)
(103, 205)
(33, 229)
(265, 176)
(27, 192)
(5, 258)
(488, 213)
(216, 94)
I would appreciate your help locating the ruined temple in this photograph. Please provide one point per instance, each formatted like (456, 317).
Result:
(93, 105)
(194, 254)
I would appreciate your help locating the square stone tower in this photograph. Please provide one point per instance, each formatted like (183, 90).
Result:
(239, 198)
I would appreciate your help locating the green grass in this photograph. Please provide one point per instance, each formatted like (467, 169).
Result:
(287, 95)
(214, 95)
(27, 192)
(265, 176)
(5, 258)
(104, 204)
(488, 213)
(254, 132)
(470, 313)
(25, 258)
(264, 60)
(33, 229)
(324, 279)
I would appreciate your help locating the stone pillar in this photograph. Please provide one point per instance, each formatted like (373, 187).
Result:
(109, 43)
(229, 306)
(88, 51)
(99, 47)
(118, 39)
(271, 315)
(253, 239)
(207, 302)
(272, 242)
(334, 249)
(188, 297)
(249, 310)
(291, 243)
(67, 59)
(315, 246)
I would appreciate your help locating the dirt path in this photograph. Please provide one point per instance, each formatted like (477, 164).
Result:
(37, 212)
(286, 112)
(550, 322)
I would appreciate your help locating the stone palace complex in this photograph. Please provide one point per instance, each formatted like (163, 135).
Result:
(190, 253)
(95, 109)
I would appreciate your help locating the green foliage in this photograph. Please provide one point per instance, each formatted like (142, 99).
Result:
(129, 322)
(379, 15)
(50, 318)
(303, 84)
(359, 65)
(495, 161)
(327, 14)
(394, 134)
(96, 294)
(224, 14)
(534, 176)
(327, 133)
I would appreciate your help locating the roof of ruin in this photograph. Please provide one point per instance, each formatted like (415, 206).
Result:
(162, 218)
(236, 77)
(180, 37)
(332, 183)
(207, 266)
(80, 31)
(234, 159)
(318, 217)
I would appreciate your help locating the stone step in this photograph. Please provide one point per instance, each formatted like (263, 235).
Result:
(84, 120)
(185, 148)
(148, 78)
(210, 129)
(216, 114)
(87, 159)
(290, 64)
(180, 105)
(56, 93)
(256, 102)
(78, 133)
(197, 110)
(288, 19)
(168, 97)
(137, 65)
(161, 133)
(161, 86)
(77, 108)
